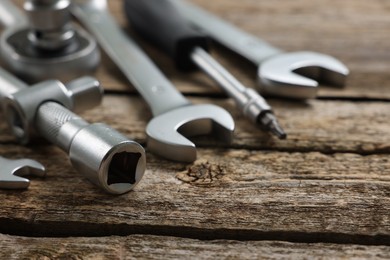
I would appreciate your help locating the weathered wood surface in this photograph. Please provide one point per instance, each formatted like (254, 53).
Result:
(151, 247)
(327, 185)
(231, 194)
(318, 125)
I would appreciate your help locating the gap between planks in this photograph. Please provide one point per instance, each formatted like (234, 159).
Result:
(73, 229)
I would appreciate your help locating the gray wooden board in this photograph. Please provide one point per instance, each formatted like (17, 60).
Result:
(234, 194)
(318, 125)
(153, 247)
(326, 185)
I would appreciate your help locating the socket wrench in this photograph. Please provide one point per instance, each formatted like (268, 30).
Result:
(107, 158)
(42, 41)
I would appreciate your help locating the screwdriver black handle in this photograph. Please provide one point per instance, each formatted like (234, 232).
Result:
(159, 22)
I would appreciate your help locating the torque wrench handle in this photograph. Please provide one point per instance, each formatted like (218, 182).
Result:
(160, 22)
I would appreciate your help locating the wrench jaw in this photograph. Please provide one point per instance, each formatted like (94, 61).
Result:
(297, 74)
(14, 170)
(165, 132)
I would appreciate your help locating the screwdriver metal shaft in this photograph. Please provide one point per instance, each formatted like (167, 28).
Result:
(159, 22)
(249, 101)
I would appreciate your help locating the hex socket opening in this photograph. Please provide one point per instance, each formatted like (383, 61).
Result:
(123, 168)
(106, 157)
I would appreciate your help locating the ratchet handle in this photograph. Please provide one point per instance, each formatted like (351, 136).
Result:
(160, 22)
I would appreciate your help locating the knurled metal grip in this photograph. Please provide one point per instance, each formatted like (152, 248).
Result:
(107, 158)
(21, 107)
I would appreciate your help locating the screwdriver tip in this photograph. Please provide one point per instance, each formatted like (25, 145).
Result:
(277, 130)
(269, 123)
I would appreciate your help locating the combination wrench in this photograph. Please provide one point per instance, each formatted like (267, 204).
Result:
(160, 22)
(11, 172)
(291, 75)
(173, 114)
(107, 158)
(42, 41)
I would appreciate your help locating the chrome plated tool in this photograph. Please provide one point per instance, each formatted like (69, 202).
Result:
(11, 172)
(292, 75)
(104, 156)
(160, 22)
(173, 114)
(42, 42)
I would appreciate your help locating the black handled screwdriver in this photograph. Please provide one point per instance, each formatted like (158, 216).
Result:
(159, 22)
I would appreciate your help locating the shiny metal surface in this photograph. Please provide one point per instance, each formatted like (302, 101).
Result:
(251, 104)
(166, 103)
(11, 172)
(106, 157)
(20, 107)
(295, 74)
(49, 22)
(11, 15)
(42, 43)
(280, 74)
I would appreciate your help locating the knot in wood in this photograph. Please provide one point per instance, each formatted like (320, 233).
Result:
(202, 173)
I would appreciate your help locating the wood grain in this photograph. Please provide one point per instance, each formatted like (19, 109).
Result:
(322, 193)
(226, 194)
(318, 125)
(152, 247)
(326, 126)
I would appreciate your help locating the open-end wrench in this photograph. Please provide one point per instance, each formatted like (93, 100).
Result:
(106, 157)
(173, 114)
(291, 75)
(160, 22)
(12, 170)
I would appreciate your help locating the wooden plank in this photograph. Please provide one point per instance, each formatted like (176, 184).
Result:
(350, 30)
(313, 187)
(153, 247)
(326, 126)
(226, 194)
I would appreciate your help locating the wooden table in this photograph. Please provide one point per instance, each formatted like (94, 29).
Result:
(322, 193)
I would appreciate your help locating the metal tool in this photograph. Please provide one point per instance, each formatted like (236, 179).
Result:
(42, 42)
(292, 75)
(159, 22)
(173, 114)
(104, 156)
(12, 170)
